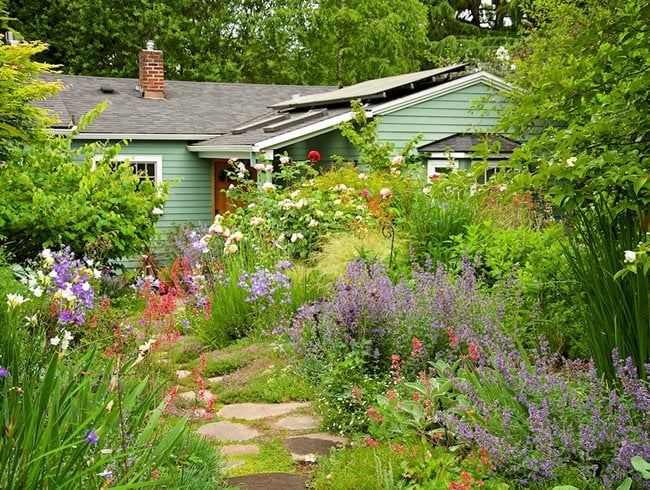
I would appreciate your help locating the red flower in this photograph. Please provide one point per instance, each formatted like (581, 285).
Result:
(453, 340)
(313, 156)
(473, 352)
(417, 347)
(370, 442)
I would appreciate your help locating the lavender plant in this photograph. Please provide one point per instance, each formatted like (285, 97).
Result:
(367, 311)
(538, 417)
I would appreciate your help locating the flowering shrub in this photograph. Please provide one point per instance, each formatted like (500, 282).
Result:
(298, 209)
(536, 420)
(367, 311)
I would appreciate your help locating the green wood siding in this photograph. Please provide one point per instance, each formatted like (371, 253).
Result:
(190, 179)
(438, 118)
(327, 144)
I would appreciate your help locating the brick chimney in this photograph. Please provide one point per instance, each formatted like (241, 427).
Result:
(152, 74)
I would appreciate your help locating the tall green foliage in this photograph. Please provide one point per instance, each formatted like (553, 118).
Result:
(271, 41)
(584, 81)
(20, 121)
(59, 195)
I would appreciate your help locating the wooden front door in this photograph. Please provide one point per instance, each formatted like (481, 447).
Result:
(220, 183)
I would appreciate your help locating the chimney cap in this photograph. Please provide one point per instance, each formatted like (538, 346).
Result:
(150, 45)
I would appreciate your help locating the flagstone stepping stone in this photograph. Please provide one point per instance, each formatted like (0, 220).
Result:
(227, 431)
(216, 379)
(183, 373)
(256, 411)
(306, 448)
(191, 396)
(297, 422)
(270, 481)
(240, 450)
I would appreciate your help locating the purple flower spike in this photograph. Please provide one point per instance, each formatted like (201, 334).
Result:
(3, 372)
(92, 437)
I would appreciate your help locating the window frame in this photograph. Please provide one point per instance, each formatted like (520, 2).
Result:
(156, 159)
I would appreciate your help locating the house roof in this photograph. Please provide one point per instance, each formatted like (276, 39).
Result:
(226, 117)
(201, 109)
(464, 143)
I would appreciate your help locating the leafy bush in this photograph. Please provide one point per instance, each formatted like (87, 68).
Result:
(537, 260)
(112, 215)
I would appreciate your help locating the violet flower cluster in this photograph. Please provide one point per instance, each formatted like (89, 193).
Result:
(265, 286)
(366, 310)
(535, 418)
(68, 280)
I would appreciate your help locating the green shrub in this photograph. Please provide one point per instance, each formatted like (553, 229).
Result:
(537, 261)
(59, 195)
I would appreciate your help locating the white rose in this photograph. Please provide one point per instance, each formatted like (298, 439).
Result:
(630, 257)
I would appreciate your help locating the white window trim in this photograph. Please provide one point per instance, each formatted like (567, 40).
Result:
(145, 158)
(137, 158)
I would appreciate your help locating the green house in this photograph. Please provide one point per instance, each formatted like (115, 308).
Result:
(186, 132)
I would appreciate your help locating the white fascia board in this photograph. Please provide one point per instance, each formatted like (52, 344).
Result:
(302, 133)
(457, 154)
(227, 152)
(447, 155)
(444, 89)
(135, 136)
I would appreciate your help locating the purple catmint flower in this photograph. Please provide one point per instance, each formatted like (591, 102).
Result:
(3, 372)
(91, 437)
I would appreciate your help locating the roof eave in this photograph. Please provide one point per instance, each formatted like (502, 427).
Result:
(443, 89)
(137, 136)
(223, 151)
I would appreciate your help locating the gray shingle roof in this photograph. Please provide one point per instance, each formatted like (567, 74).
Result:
(259, 134)
(465, 142)
(205, 108)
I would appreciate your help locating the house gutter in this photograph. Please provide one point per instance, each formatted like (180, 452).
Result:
(135, 136)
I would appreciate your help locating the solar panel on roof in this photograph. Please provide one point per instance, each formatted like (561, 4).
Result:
(368, 89)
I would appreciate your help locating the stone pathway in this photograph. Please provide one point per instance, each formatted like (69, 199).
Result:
(282, 436)
(295, 431)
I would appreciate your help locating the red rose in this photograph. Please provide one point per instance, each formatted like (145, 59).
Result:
(313, 156)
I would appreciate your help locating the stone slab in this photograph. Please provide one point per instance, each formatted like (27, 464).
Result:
(233, 464)
(307, 448)
(297, 422)
(270, 481)
(324, 436)
(240, 450)
(256, 411)
(227, 431)
(216, 379)
(183, 373)
(191, 396)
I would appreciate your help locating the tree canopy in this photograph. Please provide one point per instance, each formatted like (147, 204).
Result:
(269, 41)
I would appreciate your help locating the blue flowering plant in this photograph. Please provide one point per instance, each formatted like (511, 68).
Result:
(268, 292)
(65, 285)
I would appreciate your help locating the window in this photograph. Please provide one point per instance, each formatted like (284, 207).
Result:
(146, 166)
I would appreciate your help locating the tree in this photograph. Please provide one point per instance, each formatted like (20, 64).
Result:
(584, 81)
(53, 194)
(348, 42)
(21, 122)
(471, 30)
